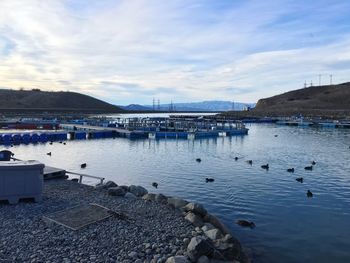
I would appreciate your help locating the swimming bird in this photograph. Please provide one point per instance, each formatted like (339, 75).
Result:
(83, 165)
(51, 143)
(236, 158)
(313, 163)
(245, 223)
(265, 166)
(290, 170)
(61, 142)
(250, 162)
(309, 194)
(49, 153)
(276, 135)
(198, 160)
(300, 179)
(154, 184)
(209, 180)
(309, 168)
(64, 143)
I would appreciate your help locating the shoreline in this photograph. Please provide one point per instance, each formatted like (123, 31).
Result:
(162, 229)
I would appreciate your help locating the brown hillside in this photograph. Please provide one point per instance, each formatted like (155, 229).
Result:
(330, 97)
(52, 101)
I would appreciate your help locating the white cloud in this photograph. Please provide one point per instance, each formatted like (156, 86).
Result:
(179, 50)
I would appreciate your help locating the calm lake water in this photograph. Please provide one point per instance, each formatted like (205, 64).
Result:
(289, 226)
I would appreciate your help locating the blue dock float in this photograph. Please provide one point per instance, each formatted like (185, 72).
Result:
(30, 137)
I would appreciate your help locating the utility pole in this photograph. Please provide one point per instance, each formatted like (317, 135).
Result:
(154, 105)
(305, 84)
(311, 84)
(158, 104)
(233, 105)
(330, 79)
(319, 79)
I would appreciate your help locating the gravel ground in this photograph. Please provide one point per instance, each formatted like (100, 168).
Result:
(154, 233)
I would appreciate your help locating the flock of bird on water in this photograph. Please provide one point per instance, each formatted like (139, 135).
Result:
(243, 223)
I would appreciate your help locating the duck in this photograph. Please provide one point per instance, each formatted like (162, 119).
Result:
(51, 143)
(300, 179)
(309, 168)
(198, 160)
(309, 194)
(236, 158)
(290, 170)
(245, 223)
(155, 185)
(49, 153)
(276, 135)
(265, 166)
(250, 162)
(64, 143)
(83, 165)
(60, 142)
(313, 163)
(209, 180)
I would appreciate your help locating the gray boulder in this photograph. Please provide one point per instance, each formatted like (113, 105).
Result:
(198, 209)
(137, 190)
(130, 196)
(207, 226)
(149, 197)
(178, 259)
(216, 223)
(198, 247)
(110, 184)
(214, 234)
(177, 202)
(194, 219)
(161, 198)
(116, 191)
(203, 259)
(227, 251)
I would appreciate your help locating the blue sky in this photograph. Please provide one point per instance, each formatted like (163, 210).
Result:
(135, 50)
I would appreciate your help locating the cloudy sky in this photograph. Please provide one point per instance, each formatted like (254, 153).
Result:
(182, 50)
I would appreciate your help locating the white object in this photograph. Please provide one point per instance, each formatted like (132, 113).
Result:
(21, 179)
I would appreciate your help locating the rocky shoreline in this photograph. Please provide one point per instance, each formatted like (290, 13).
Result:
(155, 229)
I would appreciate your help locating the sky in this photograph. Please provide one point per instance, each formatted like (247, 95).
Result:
(133, 51)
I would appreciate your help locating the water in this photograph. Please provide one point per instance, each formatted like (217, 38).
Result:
(290, 227)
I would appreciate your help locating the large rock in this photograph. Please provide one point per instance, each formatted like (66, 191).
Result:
(214, 234)
(177, 202)
(194, 219)
(161, 198)
(198, 209)
(149, 197)
(137, 190)
(116, 191)
(207, 226)
(110, 184)
(217, 223)
(203, 259)
(227, 251)
(130, 196)
(198, 247)
(178, 259)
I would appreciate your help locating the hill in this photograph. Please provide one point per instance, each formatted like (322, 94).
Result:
(329, 101)
(43, 101)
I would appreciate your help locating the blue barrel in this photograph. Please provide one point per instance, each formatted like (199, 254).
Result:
(16, 138)
(6, 139)
(34, 138)
(26, 138)
(43, 138)
(80, 135)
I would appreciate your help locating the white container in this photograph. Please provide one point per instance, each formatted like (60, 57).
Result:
(21, 179)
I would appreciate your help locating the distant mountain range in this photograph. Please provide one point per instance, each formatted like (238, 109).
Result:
(192, 106)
